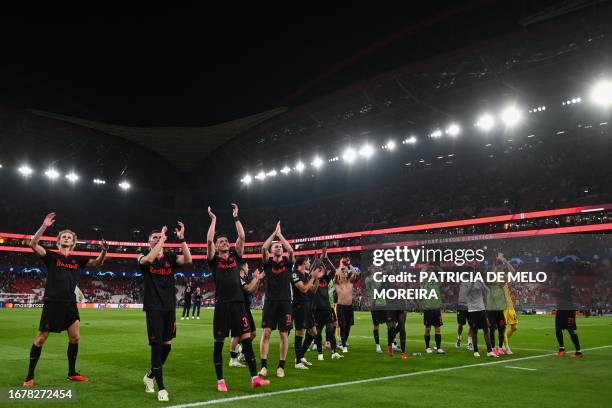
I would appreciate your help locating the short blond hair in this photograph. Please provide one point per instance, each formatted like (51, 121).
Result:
(67, 231)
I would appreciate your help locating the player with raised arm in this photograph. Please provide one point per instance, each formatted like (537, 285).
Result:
(230, 313)
(346, 275)
(509, 312)
(476, 293)
(322, 309)
(305, 283)
(60, 309)
(250, 283)
(159, 303)
(277, 305)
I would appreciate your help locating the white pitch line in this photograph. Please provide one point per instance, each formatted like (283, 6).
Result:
(367, 380)
(522, 368)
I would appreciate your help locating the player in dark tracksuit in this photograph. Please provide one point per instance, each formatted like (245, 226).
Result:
(196, 300)
(187, 300)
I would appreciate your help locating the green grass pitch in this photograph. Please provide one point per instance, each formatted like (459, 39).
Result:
(114, 354)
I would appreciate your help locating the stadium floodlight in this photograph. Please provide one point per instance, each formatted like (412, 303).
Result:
(390, 145)
(246, 179)
(25, 170)
(453, 130)
(411, 140)
(0, 166)
(299, 167)
(99, 181)
(72, 177)
(436, 134)
(511, 116)
(317, 162)
(349, 155)
(52, 174)
(485, 122)
(272, 173)
(285, 170)
(366, 151)
(124, 185)
(260, 176)
(601, 94)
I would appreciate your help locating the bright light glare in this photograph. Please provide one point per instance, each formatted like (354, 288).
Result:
(349, 155)
(260, 176)
(99, 181)
(366, 151)
(300, 167)
(52, 174)
(436, 134)
(285, 170)
(391, 144)
(453, 129)
(25, 170)
(486, 122)
(272, 173)
(124, 185)
(317, 162)
(511, 116)
(601, 93)
(72, 177)
(247, 179)
(411, 140)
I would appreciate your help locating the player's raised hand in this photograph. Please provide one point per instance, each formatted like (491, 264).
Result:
(234, 209)
(104, 245)
(164, 233)
(180, 231)
(257, 274)
(49, 220)
(277, 231)
(211, 214)
(324, 252)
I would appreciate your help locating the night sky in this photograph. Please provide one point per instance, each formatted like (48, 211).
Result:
(201, 65)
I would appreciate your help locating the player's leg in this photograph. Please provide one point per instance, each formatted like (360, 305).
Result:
(221, 330)
(311, 335)
(571, 329)
(35, 352)
(427, 337)
(501, 327)
(234, 352)
(283, 349)
(401, 329)
(391, 332)
(199, 306)
(284, 322)
(264, 347)
(73, 347)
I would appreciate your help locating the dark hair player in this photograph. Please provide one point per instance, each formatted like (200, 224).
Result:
(230, 313)
(159, 302)
(60, 310)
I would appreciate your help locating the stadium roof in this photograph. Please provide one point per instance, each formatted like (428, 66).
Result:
(184, 147)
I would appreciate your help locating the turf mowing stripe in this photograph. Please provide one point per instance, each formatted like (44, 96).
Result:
(367, 380)
(522, 368)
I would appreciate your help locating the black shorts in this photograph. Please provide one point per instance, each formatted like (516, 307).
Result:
(379, 317)
(394, 315)
(276, 315)
(161, 325)
(462, 317)
(565, 320)
(346, 316)
(247, 308)
(323, 316)
(302, 316)
(432, 317)
(230, 317)
(58, 316)
(478, 320)
(496, 319)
